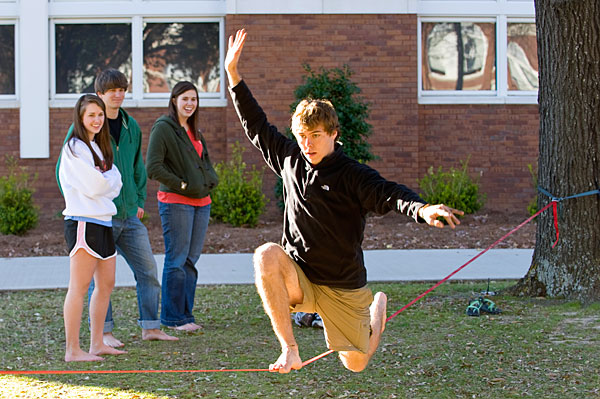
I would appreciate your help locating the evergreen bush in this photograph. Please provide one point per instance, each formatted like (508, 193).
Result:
(455, 189)
(18, 214)
(336, 86)
(238, 199)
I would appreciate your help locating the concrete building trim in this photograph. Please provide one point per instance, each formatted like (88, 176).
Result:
(33, 79)
(321, 7)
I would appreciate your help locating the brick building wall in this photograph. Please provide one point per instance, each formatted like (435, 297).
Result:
(498, 140)
(381, 50)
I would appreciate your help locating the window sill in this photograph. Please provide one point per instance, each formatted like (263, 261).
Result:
(145, 103)
(10, 104)
(517, 99)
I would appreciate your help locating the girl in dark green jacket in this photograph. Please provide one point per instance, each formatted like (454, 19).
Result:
(178, 158)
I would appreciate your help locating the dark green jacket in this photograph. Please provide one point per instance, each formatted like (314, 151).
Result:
(172, 159)
(128, 158)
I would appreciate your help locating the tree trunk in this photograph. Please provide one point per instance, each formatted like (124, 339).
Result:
(568, 37)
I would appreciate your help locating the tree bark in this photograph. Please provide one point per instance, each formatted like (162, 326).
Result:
(568, 38)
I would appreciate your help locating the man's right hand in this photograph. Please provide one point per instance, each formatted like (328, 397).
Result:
(233, 56)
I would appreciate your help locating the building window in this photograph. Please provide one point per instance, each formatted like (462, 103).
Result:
(181, 51)
(7, 60)
(459, 56)
(153, 53)
(84, 50)
(521, 53)
(477, 52)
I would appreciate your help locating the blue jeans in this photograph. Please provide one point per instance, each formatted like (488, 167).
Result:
(133, 243)
(184, 229)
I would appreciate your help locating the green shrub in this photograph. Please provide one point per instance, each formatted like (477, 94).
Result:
(18, 214)
(278, 189)
(532, 207)
(238, 199)
(454, 188)
(336, 86)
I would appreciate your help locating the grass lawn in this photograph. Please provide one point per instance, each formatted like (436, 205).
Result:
(536, 348)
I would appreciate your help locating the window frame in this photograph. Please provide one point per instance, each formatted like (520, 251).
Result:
(11, 100)
(453, 93)
(202, 96)
(72, 97)
(517, 93)
(500, 12)
(136, 97)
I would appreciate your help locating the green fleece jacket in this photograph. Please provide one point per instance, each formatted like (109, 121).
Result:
(172, 159)
(128, 158)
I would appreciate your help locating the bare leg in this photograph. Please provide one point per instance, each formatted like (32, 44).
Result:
(278, 286)
(82, 266)
(356, 361)
(104, 282)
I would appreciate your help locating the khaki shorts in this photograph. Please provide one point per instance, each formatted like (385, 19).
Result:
(345, 313)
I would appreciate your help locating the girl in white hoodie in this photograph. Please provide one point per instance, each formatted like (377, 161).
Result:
(89, 182)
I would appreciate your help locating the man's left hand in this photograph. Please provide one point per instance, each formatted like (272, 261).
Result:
(140, 213)
(430, 213)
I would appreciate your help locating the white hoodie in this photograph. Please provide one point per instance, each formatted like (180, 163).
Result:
(87, 191)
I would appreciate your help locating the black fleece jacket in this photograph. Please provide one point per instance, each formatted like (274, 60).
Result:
(325, 204)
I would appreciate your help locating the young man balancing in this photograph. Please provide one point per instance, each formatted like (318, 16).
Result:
(130, 234)
(320, 267)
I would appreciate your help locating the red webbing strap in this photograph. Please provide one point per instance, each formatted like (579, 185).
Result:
(555, 214)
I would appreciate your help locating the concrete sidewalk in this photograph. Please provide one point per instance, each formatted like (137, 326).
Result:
(382, 265)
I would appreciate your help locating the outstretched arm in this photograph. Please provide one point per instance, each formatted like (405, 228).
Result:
(232, 58)
(430, 213)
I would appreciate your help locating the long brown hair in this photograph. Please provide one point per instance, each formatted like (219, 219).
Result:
(192, 121)
(102, 137)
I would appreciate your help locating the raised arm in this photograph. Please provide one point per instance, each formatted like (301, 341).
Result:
(232, 58)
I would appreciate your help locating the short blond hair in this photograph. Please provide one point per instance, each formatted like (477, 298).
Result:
(310, 113)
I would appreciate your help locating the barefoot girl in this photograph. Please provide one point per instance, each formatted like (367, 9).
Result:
(178, 159)
(89, 182)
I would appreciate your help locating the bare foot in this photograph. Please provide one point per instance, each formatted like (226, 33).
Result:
(105, 350)
(155, 334)
(288, 360)
(378, 311)
(110, 340)
(81, 356)
(187, 327)
(196, 326)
